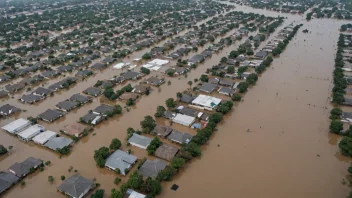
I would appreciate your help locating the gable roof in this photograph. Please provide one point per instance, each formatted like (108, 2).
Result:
(208, 87)
(7, 180)
(139, 140)
(30, 98)
(66, 105)
(121, 160)
(58, 143)
(103, 108)
(8, 109)
(23, 168)
(166, 152)
(92, 91)
(179, 137)
(75, 186)
(162, 131)
(151, 168)
(80, 98)
(50, 115)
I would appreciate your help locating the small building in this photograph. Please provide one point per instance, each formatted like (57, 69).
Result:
(75, 129)
(15, 87)
(151, 168)
(7, 180)
(206, 102)
(129, 95)
(80, 98)
(162, 131)
(131, 75)
(24, 168)
(187, 98)
(84, 73)
(98, 66)
(76, 186)
(166, 152)
(93, 91)
(31, 98)
(50, 74)
(92, 118)
(120, 160)
(207, 87)
(66, 105)
(3, 94)
(155, 81)
(103, 109)
(261, 54)
(139, 141)
(184, 119)
(141, 89)
(51, 115)
(169, 115)
(29, 133)
(55, 143)
(16, 126)
(44, 137)
(180, 138)
(133, 194)
(6, 110)
(42, 92)
(226, 91)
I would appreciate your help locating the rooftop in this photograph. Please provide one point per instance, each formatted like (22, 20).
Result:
(121, 160)
(151, 168)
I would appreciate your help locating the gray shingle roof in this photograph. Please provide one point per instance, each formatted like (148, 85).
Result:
(166, 152)
(102, 109)
(21, 169)
(50, 115)
(121, 160)
(58, 143)
(75, 186)
(140, 140)
(151, 168)
(208, 87)
(179, 137)
(80, 98)
(93, 91)
(67, 105)
(7, 180)
(8, 109)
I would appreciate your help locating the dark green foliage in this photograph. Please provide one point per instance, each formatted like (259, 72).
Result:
(100, 155)
(252, 79)
(170, 103)
(160, 110)
(115, 144)
(3, 150)
(145, 70)
(336, 126)
(242, 87)
(148, 124)
(192, 148)
(154, 144)
(204, 78)
(64, 151)
(178, 162)
(346, 146)
(166, 174)
(236, 97)
(98, 194)
(335, 113)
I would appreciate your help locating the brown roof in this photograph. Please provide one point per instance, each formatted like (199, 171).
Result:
(128, 95)
(166, 152)
(75, 129)
(162, 131)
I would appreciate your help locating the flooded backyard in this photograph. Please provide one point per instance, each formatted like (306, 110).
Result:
(276, 143)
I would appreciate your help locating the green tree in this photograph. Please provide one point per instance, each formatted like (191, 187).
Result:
(204, 78)
(179, 95)
(170, 103)
(346, 146)
(215, 117)
(166, 174)
(231, 69)
(335, 113)
(135, 181)
(236, 97)
(154, 144)
(3, 150)
(152, 187)
(336, 126)
(178, 162)
(242, 87)
(160, 110)
(51, 179)
(148, 124)
(130, 132)
(117, 180)
(63, 177)
(98, 194)
(147, 56)
(116, 194)
(190, 83)
(115, 144)
(100, 155)
(192, 148)
(223, 60)
(130, 102)
(145, 70)
(252, 79)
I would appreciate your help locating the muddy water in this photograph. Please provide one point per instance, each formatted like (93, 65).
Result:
(277, 158)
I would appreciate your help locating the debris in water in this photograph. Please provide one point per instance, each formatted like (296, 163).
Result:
(174, 187)
(218, 145)
(318, 155)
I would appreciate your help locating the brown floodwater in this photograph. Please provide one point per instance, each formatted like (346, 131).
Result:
(287, 153)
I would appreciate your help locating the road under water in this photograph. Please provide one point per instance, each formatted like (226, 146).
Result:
(288, 151)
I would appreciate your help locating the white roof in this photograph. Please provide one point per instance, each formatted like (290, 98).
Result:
(16, 125)
(159, 62)
(42, 138)
(120, 65)
(135, 194)
(206, 101)
(184, 119)
(31, 131)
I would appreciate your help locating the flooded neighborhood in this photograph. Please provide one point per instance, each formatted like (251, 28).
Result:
(188, 99)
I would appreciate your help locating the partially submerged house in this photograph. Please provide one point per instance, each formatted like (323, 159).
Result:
(42, 92)
(31, 98)
(76, 186)
(30, 132)
(120, 160)
(129, 95)
(187, 98)
(55, 143)
(66, 105)
(180, 138)
(261, 54)
(207, 87)
(7, 109)
(206, 102)
(184, 119)
(103, 109)
(7, 180)
(51, 115)
(141, 89)
(133, 194)
(139, 141)
(151, 168)
(131, 75)
(226, 91)
(80, 98)
(155, 81)
(75, 129)
(93, 91)
(44, 137)
(162, 131)
(92, 118)
(24, 168)
(166, 152)
(16, 126)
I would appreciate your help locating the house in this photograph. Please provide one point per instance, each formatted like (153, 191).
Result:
(207, 87)
(180, 138)
(84, 73)
(44, 137)
(133, 194)
(120, 160)
(30, 132)
(129, 95)
(31, 98)
(4, 78)
(7, 180)
(76, 186)
(206, 102)
(93, 91)
(15, 87)
(50, 74)
(214, 81)
(98, 66)
(166, 152)
(141, 89)
(131, 75)
(151, 168)
(226, 91)
(24, 168)
(80, 98)
(42, 92)
(16, 126)
(162, 131)
(51, 115)
(261, 54)
(55, 143)
(186, 98)
(66, 105)
(3, 94)
(226, 83)
(183, 119)
(139, 141)
(6, 110)
(244, 75)
(92, 118)
(75, 129)
(195, 59)
(65, 68)
(155, 81)
(169, 115)
(108, 60)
